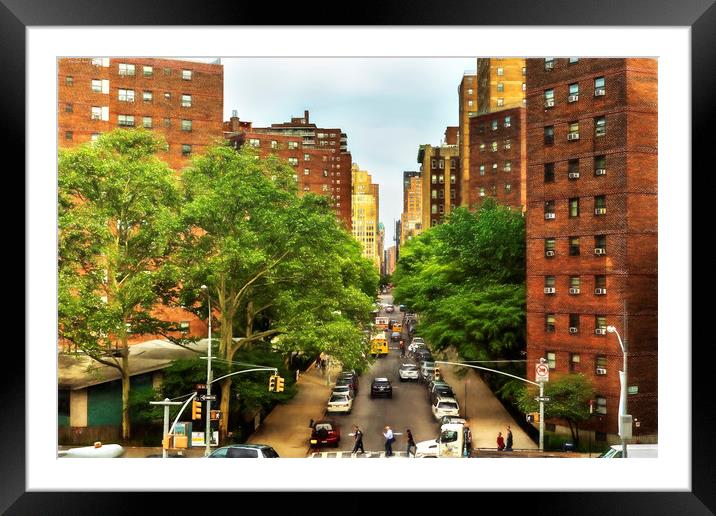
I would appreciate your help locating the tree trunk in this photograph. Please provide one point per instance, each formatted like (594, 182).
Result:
(224, 407)
(125, 396)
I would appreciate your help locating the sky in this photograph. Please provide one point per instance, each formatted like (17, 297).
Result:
(386, 106)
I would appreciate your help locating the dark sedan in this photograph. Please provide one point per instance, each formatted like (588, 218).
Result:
(381, 387)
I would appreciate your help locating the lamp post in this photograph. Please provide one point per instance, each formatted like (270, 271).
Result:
(207, 437)
(623, 393)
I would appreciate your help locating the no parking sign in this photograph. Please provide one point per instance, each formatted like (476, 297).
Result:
(541, 372)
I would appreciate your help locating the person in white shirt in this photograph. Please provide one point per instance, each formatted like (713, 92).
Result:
(389, 438)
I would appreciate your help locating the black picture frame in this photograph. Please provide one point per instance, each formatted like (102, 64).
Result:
(699, 15)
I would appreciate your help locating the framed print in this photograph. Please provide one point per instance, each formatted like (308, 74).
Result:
(186, 67)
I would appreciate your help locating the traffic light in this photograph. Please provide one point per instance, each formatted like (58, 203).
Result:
(279, 384)
(272, 383)
(437, 373)
(195, 409)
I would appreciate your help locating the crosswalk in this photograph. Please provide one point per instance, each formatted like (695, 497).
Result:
(349, 455)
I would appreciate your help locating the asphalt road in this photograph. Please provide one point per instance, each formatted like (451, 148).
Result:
(408, 408)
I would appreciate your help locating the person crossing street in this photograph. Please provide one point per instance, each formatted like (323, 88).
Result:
(358, 436)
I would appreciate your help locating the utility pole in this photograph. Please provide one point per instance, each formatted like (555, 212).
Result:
(207, 436)
(166, 403)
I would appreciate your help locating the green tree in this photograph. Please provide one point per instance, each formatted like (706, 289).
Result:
(117, 225)
(569, 400)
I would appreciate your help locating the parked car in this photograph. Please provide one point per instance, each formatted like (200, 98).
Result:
(634, 451)
(326, 432)
(402, 308)
(418, 340)
(244, 451)
(444, 406)
(353, 376)
(409, 372)
(389, 309)
(395, 336)
(423, 355)
(381, 387)
(339, 403)
(439, 389)
(427, 368)
(446, 420)
(347, 381)
(344, 389)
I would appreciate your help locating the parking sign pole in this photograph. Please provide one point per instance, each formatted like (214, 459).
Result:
(541, 416)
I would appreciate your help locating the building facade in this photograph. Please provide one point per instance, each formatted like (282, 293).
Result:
(498, 158)
(365, 214)
(592, 230)
(439, 167)
(181, 100)
(500, 83)
(319, 156)
(411, 220)
(467, 95)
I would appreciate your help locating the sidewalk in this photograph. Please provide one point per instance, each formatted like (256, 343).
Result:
(486, 415)
(290, 433)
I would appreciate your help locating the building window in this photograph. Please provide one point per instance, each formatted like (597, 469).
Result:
(574, 360)
(306, 157)
(126, 96)
(94, 136)
(433, 163)
(452, 194)
(508, 166)
(600, 165)
(469, 91)
(185, 149)
(469, 103)
(600, 324)
(548, 63)
(167, 71)
(524, 71)
(126, 120)
(508, 121)
(442, 208)
(167, 96)
(482, 192)
(325, 173)
(600, 283)
(68, 135)
(69, 81)
(600, 244)
(186, 125)
(453, 164)
(574, 285)
(293, 161)
(482, 147)
(147, 96)
(549, 284)
(482, 170)
(549, 172)
(549, 98)
(601, 365)
(186, 101)
(600, 126)
(126, 69)
(441, 179)
(442, 194)
(434, 208)
(166, 122)
(434, 179)
(69, 108)
(573, 246)
(551, 358)
(573, 323)
(434, 194)
(494, 125)
(573, 60)
(600, 205)
(293, 145)
(549, 246)
(549, 209)
(441, 164)
(493, 147)
(549, 135)
(147, 122)
(601, 405)
(186, 75)
(500, 86)
(508, 188)
(306, 171)
(574, 207)
(500, 71)
(452, 179)
(524, 86)
(599, 87)
(494, 168)
(148, 71)
(573, 92)
(96, 85)
(500, 102)
(573, 169)
(573, 133)
(508, 144)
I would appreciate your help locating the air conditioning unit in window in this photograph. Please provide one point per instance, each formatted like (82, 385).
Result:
(549, 253)
(574, 290)
(549, 65)
(600, 250)
(600, 291)
(549, 216)
(573, 136)
(600, 331)
(549, 103)
(600, 211)
(508, 124)
(573, 98)
(573, 175)
(600, 172)
(573, 329)
(549, 290)
(601, 370)
(600, 92)
(482, 194)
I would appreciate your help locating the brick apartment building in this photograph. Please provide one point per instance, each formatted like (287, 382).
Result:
(592, 229)
(323, 168)
(467, 95)
(500, 83)
(440, 168)
(498, 158)
(181, 100)
(411, 220)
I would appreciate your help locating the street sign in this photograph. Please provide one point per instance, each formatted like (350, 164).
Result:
(541, 372)
(543, 398)
(204, 397)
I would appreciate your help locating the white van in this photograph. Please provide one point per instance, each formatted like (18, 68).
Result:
(634, 451)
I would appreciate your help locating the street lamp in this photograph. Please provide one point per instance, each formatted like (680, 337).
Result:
(207, 437)
(623, 393)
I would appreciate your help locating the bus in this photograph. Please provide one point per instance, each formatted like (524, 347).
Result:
(378, 345)
(381, 323)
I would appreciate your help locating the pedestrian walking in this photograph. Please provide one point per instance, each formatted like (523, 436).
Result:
(389, 438)
(402, 348)
(468, 441)
(411, 442)
(508, 442)
(358, 436)
(500, 442)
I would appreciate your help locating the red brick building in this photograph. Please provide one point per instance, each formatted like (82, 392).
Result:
(439, 172)
(498, 158)
(181, 100)
(592, 229)
(320, 156)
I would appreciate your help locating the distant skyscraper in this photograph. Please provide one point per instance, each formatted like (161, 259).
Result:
(365, 214)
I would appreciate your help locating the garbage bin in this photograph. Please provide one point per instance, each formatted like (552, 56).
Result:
(568, 447)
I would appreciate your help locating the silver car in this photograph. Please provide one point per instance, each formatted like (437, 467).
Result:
(409, 372)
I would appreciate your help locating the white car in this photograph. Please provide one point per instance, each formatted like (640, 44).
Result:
(418, 340)
(340, 404)
(409, 372)
(343, 389)
(443, 406)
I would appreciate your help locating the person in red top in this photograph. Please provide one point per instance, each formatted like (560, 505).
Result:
(500, 442)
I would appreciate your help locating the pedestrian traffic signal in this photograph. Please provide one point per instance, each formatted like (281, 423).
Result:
(272, 383)
(279, 384)
(196, 409)
(437, 373)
